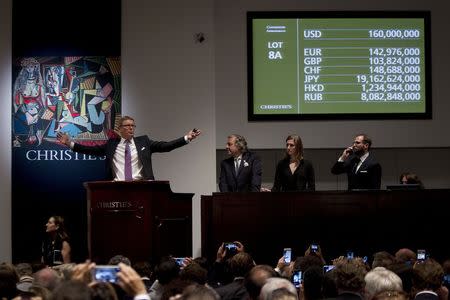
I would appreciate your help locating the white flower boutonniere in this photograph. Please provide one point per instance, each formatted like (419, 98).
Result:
(245, 164)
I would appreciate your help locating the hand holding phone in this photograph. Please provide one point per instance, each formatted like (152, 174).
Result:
(106, 273)
(287, 253)
(314, 248)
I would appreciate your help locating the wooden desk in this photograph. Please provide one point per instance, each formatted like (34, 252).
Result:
(362, 221)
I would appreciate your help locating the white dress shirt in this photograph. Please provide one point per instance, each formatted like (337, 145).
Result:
(118, 163)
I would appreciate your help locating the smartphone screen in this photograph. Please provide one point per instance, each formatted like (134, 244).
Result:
(231, 247)
(179, 261)
(421, 254)
(314, 247)
(287, 253)
(297, 278)
(446, 279)
(57, 257)
(106, 273)
(350, 255)
(328, 268)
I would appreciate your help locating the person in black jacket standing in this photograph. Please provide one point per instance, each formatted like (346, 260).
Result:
(363, 170)
(242, 171)
(128, 157)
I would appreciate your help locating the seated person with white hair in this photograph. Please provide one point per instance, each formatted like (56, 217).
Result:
(381, 279)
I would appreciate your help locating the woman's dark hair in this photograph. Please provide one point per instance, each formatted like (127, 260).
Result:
(61, 231)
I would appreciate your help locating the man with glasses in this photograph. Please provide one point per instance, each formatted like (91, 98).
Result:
(129, 157)
(363, 170)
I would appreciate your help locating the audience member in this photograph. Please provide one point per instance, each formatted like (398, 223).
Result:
(427, 277)
(379, 280)
(242, 171)
(256, 278)
(116, 259)
(405, 255)
(391, 295)
(143, 268)
(282, 294)
(174, 288)
(312, 286)
(166, 271)
(56, 247)
(382, 259)
(350, 279)
(24, 269)
(8, 281)
(363, 170)
(199, 292)
(71, 290)
(47, 278)
(239, 265)
(274, 284)
(103, 291)
(193, 272)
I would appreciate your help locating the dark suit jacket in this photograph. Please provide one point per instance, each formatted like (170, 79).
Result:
(233, 291)
(302, 179)
(248, 178)
(145, 147)
(367, 177)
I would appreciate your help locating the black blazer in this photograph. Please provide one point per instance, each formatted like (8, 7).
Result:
(145, 147)
(248, 178)
(302, 179)
(367, 177)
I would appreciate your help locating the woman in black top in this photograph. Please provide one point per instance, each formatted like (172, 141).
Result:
(56, 247)
(294, 173)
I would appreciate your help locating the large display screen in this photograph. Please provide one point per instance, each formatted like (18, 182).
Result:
(339, 65)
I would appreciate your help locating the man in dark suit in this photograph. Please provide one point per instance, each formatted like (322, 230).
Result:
(129, 157)
(363, 170)
(242, 171)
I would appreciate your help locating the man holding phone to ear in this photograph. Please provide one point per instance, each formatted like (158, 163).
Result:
(363, 170)
(128, 157)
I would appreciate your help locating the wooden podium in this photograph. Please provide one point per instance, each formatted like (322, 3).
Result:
(142, 220)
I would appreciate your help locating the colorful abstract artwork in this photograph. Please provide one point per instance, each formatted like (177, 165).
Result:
(76, 95)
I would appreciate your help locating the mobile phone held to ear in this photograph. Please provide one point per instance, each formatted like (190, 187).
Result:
(105, 273)
(287, 254)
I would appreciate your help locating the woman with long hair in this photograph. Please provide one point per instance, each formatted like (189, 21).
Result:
(294, 173)
(56, 247)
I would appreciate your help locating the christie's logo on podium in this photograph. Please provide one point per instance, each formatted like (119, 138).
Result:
(114, 205)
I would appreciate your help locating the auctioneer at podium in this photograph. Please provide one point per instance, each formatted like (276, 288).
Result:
(138, 219)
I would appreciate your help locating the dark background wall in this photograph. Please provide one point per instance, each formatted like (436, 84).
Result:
(41, 189)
